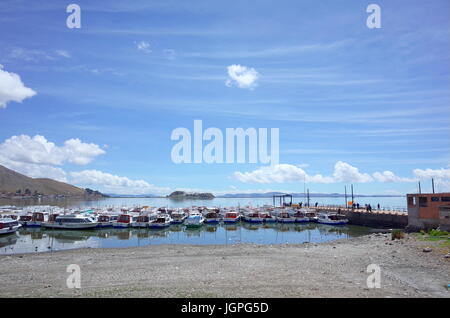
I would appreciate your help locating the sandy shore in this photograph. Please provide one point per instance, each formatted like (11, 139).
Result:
(334, 269)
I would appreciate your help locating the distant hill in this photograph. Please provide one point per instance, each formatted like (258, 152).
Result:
(181, 195)
(12, 182)
(297, 195)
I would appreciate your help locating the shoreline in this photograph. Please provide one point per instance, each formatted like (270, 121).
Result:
(329, 269)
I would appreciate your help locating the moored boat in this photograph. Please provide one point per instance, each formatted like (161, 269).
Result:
(37, 218)
(231, 217)
(300, 217)
(142, 221)
(178, 217)
(195, 219)
(253, 217)
(71, 222)
(331, 219)
(285, 217)
(212, 217)
(8, 225)
(105, 220)
(24, 219)
(160, 222)
(124, 220)
(267, 217)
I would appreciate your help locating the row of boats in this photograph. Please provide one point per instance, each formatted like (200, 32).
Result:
(157, 218)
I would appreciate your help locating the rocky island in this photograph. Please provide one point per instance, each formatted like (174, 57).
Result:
(181, 195)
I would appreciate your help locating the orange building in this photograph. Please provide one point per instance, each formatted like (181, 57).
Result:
(423, 210)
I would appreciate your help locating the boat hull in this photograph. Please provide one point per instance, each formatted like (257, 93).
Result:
(286, 220)
(9, 230)
(329, 222)
(120, 225)
(231, 220)
(158, 225)
(104, 224)
(212, 221)
(70, 226)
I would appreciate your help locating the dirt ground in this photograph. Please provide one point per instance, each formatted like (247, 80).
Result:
(333, 269)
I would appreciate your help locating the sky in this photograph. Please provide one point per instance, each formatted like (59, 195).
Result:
(96, 106)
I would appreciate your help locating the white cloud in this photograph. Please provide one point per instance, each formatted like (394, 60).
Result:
(34, 170)
(143, 46)
(389, 176)
(441, 177)
(12, 88)
(432, 173)
(281, 173)
(242, 76)
(63, 53)
(343, 172)
(110, 183)
(38, 150)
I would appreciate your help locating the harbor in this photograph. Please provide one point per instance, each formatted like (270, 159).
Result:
(50, 228)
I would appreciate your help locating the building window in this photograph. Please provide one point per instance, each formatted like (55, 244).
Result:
(411, 201)
(423, 202)
(445, 199)
(434, 199)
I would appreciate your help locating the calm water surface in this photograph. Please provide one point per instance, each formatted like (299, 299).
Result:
(388, 202)
(31, 240)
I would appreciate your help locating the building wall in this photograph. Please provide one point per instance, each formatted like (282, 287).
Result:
(423, 210)
(444, 218)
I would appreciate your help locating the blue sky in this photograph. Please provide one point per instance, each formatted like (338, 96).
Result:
(344, 96)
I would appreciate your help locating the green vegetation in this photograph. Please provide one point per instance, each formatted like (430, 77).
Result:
(397, 234)
(442, 238)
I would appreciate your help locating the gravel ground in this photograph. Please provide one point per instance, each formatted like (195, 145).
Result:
(334, 269)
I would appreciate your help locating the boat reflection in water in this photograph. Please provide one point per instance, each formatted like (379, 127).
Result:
(30, 240)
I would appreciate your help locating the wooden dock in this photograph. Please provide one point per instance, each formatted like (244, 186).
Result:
(375, 218)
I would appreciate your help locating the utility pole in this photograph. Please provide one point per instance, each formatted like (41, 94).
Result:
(432, 184)
(420, 190)
(352, 198)
(345, 189)
(308, 196)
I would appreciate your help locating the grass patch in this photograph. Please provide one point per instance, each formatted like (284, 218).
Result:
(397, 234)
(440, 238)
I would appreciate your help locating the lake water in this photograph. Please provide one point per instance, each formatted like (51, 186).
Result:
(386, 202)
(31, 240)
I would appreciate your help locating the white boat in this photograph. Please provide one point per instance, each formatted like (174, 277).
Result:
(37, 218)
(231, 217)
(124, 220)
(331, 219)
(267, 217)
(253, 217)
(160, 222)
(285, 217)
(142, 221)
(212, 217)
(8, 225)
(178, 217)
(72, 222)
(300, 217)
(311, 215)
(105, 220)
(195, 219)
(24, 219)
